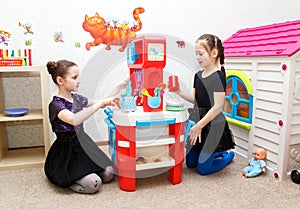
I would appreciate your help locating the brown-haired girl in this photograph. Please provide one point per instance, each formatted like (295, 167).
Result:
(74, 160)
(210, 137)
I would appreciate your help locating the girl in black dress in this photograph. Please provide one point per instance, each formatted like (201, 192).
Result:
(210, 137)
(74, 160)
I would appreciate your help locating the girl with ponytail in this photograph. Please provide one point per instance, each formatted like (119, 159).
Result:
(210, 137)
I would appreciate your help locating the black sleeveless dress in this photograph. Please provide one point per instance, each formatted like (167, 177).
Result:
(215, 136)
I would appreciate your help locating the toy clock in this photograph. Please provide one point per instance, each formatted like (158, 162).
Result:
(146, 58)
(156, 52)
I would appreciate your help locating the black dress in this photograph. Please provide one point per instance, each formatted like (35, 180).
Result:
(216, 135)
(73, 154)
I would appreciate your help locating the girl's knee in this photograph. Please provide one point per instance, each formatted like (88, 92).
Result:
(108, 174)
(203, 169)
(191, 159)
(89, 184)
(191, 163)
(93, 185)
(212, 164)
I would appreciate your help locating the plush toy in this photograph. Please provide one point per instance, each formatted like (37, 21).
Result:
(256, 165)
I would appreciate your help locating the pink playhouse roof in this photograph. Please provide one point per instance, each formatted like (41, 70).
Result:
(281, 39)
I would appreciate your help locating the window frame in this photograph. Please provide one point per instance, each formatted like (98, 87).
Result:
(236, 77)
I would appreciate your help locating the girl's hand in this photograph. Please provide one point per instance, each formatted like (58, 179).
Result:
(107, 101)
(195, 133)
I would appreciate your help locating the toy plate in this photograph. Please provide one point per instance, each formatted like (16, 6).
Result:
(16, 112)
(175, 108)
(174, 102)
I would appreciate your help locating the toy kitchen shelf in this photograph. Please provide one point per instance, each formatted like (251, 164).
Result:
(158, 147)
(157, 137)
(29, 156)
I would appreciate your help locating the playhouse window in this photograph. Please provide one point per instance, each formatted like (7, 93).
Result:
(238, 101)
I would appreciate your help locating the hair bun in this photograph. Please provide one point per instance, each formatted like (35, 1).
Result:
(51, 66)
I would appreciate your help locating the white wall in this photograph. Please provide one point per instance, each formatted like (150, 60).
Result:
(182, 20)
(185, 19)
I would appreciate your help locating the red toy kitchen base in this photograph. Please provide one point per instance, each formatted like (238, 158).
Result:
(141, 141)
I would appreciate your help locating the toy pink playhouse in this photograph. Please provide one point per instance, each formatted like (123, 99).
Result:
(263, 93)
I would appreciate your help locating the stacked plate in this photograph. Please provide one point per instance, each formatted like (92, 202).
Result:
(175, 105)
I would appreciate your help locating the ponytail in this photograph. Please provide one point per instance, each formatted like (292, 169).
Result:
(220, 49)
(222, 62)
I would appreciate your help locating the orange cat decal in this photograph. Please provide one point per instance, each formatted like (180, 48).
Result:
(104, 33)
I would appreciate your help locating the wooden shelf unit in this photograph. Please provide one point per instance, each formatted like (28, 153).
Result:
(30, 156)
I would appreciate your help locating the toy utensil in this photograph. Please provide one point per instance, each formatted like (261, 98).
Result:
(156, 92)
(145, 92)
(162, 85)
(128, 88)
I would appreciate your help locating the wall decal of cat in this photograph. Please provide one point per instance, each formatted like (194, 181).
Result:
(104, 33)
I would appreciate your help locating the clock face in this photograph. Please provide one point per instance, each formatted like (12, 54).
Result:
(155, 52)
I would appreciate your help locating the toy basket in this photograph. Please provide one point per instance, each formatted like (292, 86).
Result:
(12, 62)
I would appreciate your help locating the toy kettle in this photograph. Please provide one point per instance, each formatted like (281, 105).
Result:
(128, 103)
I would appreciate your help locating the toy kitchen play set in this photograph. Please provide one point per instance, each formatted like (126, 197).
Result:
(147, 133)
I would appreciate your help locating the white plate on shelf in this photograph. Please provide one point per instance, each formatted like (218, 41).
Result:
(16, 112)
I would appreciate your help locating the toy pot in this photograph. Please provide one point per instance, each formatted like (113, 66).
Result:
(128, 103)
